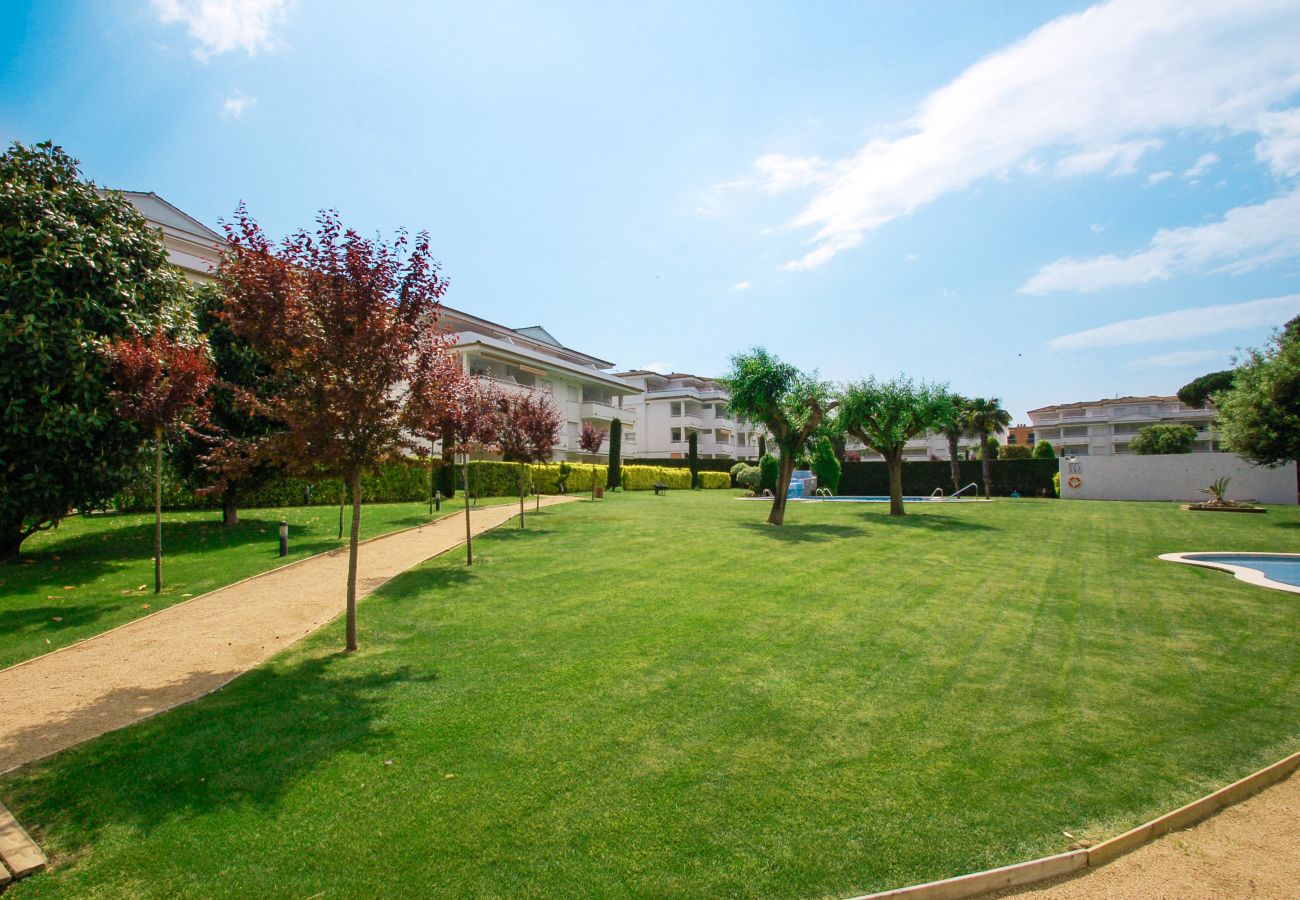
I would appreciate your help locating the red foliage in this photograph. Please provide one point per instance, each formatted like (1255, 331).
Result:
(591, 438)
(529, 427)
(161, 384)
(348, 325)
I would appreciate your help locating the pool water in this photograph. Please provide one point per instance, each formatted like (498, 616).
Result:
(1281, 567)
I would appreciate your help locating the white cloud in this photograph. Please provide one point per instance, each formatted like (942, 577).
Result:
(740, 286)
(1120, 159)
(1202, 165)
(1090, 89)
(1246, 238)
(223, 25)
(1180, 358)
(1157, 177)
(1096, 228)
(781, 172)
(1183, 324)
(234, 106)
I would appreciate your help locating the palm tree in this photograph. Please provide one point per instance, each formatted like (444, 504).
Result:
(986, 417)
(954, 430)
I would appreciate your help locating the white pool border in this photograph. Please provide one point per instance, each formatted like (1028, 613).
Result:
(1243, 573)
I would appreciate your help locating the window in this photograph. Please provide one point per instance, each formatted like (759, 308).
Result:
(573, 394)
(676, 436)
(674, 409)
(629, 437)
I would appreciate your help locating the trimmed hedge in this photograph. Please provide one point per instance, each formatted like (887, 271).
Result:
(643, 478)
(1028, 477)
(706, 465)
(710, 480)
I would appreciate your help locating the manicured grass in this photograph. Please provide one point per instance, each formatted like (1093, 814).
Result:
(84, 577)
(660, 696)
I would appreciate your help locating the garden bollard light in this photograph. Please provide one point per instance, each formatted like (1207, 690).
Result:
(437, 501)
(284, 538)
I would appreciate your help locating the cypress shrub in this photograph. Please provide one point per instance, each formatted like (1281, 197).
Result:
(1044, 450)
(770, 470)
(693, 457)
(615, 469)
(825, 466)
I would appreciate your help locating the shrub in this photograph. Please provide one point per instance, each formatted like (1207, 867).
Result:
(750, 477)
(643, 478)
(1056, 483)
(771, 470)
(738, 467)
(825, 466)
(1044, 450)
(693, 457)
(710, 480)
(615, 469)
(1015, 451)
(1166, 438)
(546, 477)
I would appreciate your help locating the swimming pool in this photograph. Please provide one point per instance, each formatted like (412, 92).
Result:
(1275, 570)
(875, 499)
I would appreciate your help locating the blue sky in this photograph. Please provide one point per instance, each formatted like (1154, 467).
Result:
(1048, 202)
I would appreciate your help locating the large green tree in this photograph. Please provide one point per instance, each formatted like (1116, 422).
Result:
(885, 415)
(1259, 417)
(79, 267)
(1162, 438)
(791, 405)
(1198, 391)
(985, 418)
(956, 427)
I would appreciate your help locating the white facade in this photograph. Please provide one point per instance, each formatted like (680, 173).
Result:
(931, 445)
(530, 359)
(1180, 476)
(671, 407)
(192, 247)
(1105, 427)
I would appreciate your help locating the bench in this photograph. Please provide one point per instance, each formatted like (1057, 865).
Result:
(660, 488)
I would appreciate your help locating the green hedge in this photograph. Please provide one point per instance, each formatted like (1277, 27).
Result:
(715, 480)
(1028, 477)
(706, 465)
(644, 478)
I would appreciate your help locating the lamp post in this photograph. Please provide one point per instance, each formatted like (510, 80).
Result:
(284, 538)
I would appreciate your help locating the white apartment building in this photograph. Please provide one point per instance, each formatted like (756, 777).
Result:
(1105, 427)
(933, 445)
(192, 247)
(531, 359)
(671, 407)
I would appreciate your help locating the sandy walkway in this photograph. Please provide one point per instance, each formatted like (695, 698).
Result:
(1248, 850)
(190, 649)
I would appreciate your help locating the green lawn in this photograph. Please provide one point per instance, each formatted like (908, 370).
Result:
(661, 696)
(84, 577)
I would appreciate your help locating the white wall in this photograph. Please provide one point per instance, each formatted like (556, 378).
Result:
(1178, 476)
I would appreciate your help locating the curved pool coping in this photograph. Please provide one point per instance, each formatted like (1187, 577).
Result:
(1244, 573)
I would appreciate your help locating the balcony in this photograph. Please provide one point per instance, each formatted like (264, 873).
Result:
(595, 411)
(686, 422)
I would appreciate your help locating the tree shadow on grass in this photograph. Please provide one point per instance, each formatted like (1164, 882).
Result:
(928, 522)
(805, 532)
(32, 618)
(247, 744)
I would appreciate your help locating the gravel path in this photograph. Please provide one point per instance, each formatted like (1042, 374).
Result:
(1248, 850)
(191, 649)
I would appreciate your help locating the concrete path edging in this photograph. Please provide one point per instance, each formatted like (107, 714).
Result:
(1034, 870)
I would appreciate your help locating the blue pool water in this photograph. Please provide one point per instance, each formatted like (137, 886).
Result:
(1280, 567)
(871, 499)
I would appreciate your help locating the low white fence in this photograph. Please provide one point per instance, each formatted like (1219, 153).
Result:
(1179, 476)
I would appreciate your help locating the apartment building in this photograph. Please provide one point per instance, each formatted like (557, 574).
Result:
(1105, 427)
(192, 247)
(671, 407)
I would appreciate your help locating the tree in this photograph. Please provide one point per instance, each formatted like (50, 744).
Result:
(1259, 417)
(347, 324)
(762, 446)
(825, 465)
(78, 269)
(790, 404)
(590, 440)
(885, 415)
(1198, 391)
(161, 385)
(993, 448)
(1044, 450)
(527, 432)
(1163, 438)
(1015, 451)
(693, 457)
(986, 418)
(955, 427)
(614, 473)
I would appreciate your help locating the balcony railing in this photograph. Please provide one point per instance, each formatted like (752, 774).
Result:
(604, 412)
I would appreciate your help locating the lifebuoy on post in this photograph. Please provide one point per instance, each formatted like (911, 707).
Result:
(1074, 481)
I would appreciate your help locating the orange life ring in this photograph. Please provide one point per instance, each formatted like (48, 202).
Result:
(1074, 481)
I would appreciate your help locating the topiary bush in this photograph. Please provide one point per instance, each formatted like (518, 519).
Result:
(712, 480)
(825, 466)
(1044, 450)
(771, 470)
(643, 478)
(750, 477)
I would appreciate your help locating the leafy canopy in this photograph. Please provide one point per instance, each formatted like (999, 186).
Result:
(1163, 438)
(885, 415)
(1259, 417)
(790, 404)
(1199, 391)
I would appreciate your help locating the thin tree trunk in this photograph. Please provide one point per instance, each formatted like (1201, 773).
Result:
(985, 467)
(157, 511)
(952, 457)
(229, 507)
(469, 537)
(777, 515)
(894, 462)
(523, 479)
(343, 500)
(352, 560)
